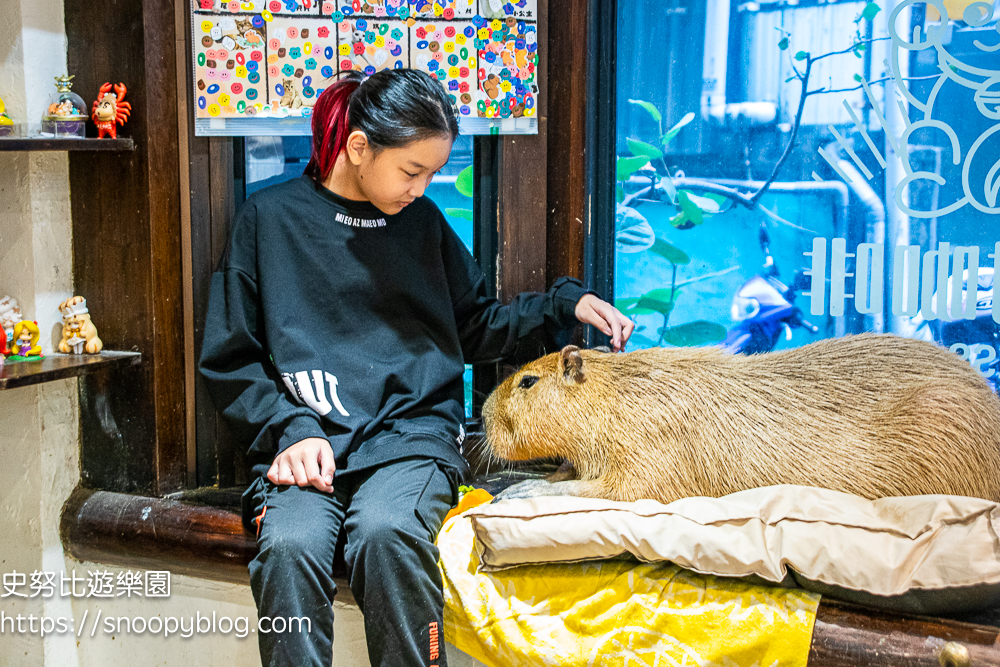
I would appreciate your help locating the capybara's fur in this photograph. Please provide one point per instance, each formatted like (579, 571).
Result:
(871, 415)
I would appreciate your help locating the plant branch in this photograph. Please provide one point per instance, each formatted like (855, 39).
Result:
(803, 96)
(822, 91)
(852, 48)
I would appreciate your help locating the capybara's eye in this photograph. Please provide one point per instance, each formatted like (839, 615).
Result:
(528, 381)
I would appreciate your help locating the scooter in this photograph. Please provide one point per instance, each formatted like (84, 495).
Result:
(764, 307)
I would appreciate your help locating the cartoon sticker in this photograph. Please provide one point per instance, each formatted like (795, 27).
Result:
(369, 45)
(446, 50)
(508, 57)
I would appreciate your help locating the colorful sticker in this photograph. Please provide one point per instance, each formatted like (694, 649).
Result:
(369, 45)
(386, 9)
(508, 58)
(446, 51)
(221, 76)
(290, 7)
(277, 58)
(522, 10)
(443, 9)
(302, 48)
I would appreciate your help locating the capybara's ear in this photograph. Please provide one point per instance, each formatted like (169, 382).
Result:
(571, 365)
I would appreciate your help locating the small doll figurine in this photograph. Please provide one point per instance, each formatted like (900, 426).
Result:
(10, 315)
(26, 336)
(6, 124)
(110, 108)
(79, 334)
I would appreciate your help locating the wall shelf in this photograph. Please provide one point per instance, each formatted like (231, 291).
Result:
(59, 366)
(55, 144)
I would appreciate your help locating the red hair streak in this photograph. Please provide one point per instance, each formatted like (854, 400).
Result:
(330, 126)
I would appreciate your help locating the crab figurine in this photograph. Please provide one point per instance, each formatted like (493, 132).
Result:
(110, 108)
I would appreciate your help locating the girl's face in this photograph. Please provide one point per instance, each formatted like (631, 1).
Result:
(393, 177)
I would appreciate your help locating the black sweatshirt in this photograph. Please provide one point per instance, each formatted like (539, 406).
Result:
(328, 318)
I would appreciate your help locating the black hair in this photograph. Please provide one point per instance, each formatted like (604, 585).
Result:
(393, 107)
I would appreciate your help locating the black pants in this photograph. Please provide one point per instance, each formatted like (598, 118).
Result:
(391, 517)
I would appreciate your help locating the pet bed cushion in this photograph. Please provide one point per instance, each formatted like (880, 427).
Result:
(616, 613)
(922, 554)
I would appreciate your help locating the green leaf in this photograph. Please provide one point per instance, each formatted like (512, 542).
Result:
(667, 185)
(633, 232)
(707, 205)
(464, 181)
(642, 149)
(657, 301)
(653, 111)
(463, 213)
(672, 132)
(619, 194)
(626, 166)
(783, 44)
(870, 10)
(669, 252)
(698, 332)
(681, 221)
(691, 210)
(801, 55)
(625, 303)
(662, 294)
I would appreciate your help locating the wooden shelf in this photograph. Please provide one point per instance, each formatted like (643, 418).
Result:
(59, 366)
(54, 144)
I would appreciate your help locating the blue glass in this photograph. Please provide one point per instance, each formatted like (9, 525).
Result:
(751, 219)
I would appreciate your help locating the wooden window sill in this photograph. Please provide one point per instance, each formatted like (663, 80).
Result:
(59, 366)
(63, 144)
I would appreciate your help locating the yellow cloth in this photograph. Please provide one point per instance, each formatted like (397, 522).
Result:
(616, 613)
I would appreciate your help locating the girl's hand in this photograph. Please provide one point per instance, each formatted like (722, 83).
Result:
(308, 462)
(607, 318)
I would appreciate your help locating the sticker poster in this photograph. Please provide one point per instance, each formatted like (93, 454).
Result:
(259, 66)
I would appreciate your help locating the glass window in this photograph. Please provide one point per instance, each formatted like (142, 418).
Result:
(270, 160)
(755, 217)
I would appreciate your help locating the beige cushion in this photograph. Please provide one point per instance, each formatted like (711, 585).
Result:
(888, 547)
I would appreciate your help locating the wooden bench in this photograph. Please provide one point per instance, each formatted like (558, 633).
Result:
(203, 536)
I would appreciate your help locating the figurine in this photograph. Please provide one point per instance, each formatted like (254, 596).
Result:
(26, 336)
(6, 124)
(66, 113)
(79, 334)
(10, 315)
(110, 108)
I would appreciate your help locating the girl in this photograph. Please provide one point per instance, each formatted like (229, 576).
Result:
(337, 330)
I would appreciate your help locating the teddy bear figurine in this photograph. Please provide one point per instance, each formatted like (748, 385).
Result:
(79, 335)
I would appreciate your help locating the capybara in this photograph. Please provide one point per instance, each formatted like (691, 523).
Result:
(872, 415)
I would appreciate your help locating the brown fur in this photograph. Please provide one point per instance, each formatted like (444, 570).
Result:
(871, 415)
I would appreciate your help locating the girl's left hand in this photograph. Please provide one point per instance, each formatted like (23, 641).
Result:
(607, 318)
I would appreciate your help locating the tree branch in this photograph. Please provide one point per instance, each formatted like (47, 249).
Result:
(837, 53)
(803, 96)
(822, 91)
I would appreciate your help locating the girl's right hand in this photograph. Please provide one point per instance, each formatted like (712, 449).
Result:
(308, 462)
